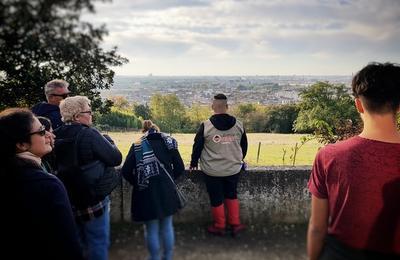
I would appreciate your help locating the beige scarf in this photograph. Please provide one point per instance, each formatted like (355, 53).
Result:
(30, 156)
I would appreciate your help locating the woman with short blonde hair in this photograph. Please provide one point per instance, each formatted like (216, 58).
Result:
(72, 106)
(92, 214)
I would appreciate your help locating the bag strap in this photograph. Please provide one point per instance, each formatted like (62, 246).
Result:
(77, 138)
(163, 167)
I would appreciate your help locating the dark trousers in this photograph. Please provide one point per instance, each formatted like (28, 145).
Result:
(220, 188)
(336, 250)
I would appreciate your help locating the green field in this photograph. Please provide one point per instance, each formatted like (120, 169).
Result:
(271, 150)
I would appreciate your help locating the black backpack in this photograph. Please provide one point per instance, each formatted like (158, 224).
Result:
(86, 184)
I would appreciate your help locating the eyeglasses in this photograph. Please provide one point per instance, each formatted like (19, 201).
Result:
(64, 96)
(86, 112)
(41, 131)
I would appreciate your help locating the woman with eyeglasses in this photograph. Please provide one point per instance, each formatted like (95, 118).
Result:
(88, 145)
(37, 217)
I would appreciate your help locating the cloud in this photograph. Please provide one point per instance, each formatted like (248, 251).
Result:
(151, 47)
(147, 5)
(254, 31)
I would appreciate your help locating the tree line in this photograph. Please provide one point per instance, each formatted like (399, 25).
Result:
(325, 110)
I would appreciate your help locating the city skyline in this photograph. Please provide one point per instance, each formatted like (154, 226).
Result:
(200, 38)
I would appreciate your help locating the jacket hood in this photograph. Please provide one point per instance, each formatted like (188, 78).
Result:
(223, 122)
(68, 131)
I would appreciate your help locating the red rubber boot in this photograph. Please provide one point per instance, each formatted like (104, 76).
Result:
(218, 227)
(233, 216)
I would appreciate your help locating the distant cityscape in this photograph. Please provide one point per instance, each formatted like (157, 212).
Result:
(265, 90)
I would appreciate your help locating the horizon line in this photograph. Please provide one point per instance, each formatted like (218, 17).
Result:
(256, 75)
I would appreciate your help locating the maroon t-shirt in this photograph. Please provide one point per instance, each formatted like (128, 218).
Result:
(361, 180)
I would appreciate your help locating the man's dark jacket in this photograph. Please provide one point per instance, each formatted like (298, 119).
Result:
(52, 112)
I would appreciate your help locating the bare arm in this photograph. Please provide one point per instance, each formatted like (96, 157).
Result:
(317, 227)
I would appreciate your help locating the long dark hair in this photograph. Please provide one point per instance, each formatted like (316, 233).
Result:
(15, 126)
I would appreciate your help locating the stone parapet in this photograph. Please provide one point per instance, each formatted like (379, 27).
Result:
(266, 194)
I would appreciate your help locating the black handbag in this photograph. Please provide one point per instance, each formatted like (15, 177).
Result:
(102, 180)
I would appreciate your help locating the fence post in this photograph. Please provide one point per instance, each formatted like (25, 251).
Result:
(258, 152)
(294, 154)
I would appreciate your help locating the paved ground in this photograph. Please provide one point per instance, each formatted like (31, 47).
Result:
(284, 242)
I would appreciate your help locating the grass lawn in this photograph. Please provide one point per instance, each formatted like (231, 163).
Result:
(271, 149)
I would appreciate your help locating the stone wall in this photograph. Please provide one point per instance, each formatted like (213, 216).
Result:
(267, 195)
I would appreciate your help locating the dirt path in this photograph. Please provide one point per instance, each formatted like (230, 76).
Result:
(193, 243)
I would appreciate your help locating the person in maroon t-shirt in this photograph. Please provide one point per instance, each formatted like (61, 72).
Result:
(355, 184)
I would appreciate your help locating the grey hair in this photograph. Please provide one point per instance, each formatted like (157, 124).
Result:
(71, 106)
(55, 83)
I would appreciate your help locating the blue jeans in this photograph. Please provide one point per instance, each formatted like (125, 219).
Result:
(156, 229)
(95, 235)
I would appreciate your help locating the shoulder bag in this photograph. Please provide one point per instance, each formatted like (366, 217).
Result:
(102, 179)
(182, 200)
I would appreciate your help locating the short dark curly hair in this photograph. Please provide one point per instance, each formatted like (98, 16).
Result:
(378, 84)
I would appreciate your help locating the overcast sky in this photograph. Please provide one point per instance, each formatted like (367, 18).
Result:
(270, 37)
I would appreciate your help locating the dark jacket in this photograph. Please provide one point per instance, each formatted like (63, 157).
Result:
(221, 122)
(38, 222)
(92, 146)
(52, 112)
(159, 199)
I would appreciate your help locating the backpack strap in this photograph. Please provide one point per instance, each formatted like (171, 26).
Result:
(76, 142)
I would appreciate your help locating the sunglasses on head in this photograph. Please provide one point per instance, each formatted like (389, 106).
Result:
(64, 96)
(41, 131)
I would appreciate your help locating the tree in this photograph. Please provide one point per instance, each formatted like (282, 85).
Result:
(117, 119)
(328, 111)
(195, 115)
(142, 111)
(121, 103)
(44, 40)
(255, 122)
(242, 110)
(280, 118)
(168, 112)
(252, 116)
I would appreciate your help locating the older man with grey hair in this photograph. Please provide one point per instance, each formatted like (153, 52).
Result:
(55, 91)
